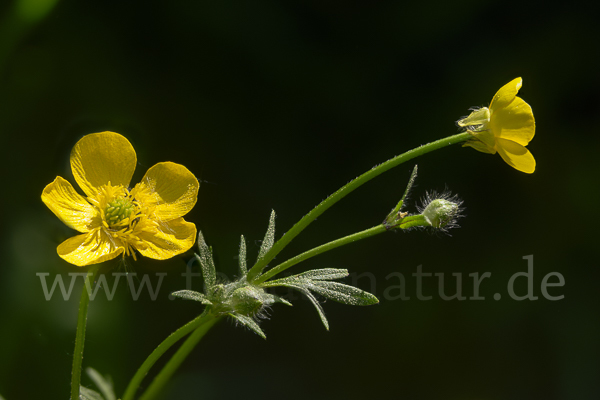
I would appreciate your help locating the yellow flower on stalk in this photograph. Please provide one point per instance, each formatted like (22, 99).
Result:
(114, 219)
(506, 127)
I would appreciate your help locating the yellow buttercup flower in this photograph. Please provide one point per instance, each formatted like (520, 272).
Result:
(112, 218)
(506, 127)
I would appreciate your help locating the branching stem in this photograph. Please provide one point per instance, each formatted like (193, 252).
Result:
(198, 322)
(169, 369)
(257, 269)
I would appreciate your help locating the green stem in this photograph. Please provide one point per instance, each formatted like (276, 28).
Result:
(345, 190)
(160, 350)
(413, 221)
(80, 334)
(321, 249)
(408, 222)
(169, 369)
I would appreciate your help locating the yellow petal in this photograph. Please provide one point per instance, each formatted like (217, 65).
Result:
(69, 206)
(100, 158)
(90, 248)
(516, 155)
(171, 238)
(482, 141)
(171, 188)
(479, 146)
(514, 122)
(506, 94)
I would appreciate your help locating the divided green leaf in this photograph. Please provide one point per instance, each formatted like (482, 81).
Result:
(411, 181)
(277, 299)
(192, 295)
(269, 237)
(242, 256)
(313, 300)
(392, 217)
(250, 323)
(341, 293)
(313, 274)
(206, 261)
(320, 282)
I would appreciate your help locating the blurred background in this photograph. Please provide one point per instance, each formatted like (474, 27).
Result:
(275, 105)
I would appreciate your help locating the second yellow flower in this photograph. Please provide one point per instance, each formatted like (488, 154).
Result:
(506, 127)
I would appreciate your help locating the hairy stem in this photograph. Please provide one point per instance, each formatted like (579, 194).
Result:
(257, 269)
(80, 334)
(321, 249)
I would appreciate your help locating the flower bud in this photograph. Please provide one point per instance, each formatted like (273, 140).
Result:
(441, 212)
(477, 121)
(247, 300)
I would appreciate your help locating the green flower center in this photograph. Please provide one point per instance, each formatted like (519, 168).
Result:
(117, 210)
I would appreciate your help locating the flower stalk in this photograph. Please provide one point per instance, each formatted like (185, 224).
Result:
(193, 325)
(320, 249)
(80, 334)
(171, 367)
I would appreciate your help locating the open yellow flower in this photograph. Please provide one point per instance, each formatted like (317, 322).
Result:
(112, 218)
(506, 127)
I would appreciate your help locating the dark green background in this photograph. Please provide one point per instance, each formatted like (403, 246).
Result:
(274, 105)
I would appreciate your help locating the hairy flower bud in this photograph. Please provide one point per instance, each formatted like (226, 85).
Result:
(441, 211)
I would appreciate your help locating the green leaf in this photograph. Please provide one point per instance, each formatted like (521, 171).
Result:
(342, 293)
(313, 300)
(105, 384)
(89, 394)
(248, 322)
(411, 181)
(314, 274)
(242, 256)
(277, 299)
(206, 262)
(269, 237)
(191, 295)
(394, 216)
(325, 274)
(319, 281)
